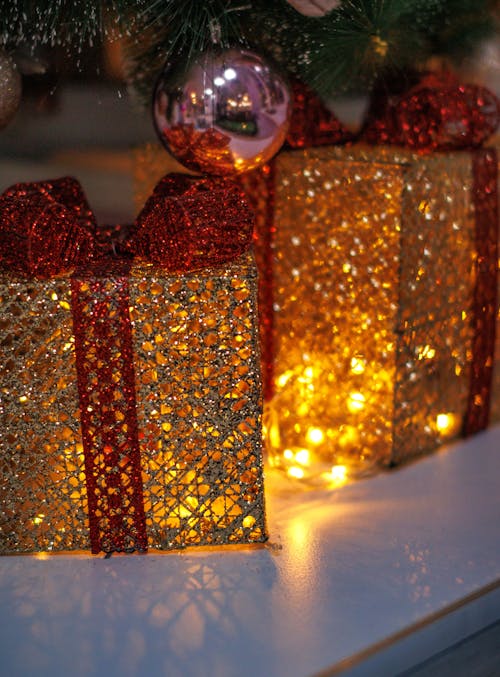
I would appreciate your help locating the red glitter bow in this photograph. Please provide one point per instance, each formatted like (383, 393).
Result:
(48, 228)
(437, 114)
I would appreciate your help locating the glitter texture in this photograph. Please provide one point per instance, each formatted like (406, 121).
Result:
(106, 388)
(438, 113)
(46, 227)
(495, 386)
(311, 122)
(189, 223)
(198, 410)
(373, 255)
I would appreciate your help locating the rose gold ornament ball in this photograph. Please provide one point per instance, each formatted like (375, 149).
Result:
(226, 114)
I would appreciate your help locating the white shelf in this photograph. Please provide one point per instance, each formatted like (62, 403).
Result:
(369, 579)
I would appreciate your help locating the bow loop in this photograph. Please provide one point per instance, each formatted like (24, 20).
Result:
(191, 222)
(46, 227)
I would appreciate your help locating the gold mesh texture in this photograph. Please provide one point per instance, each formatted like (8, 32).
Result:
(373, 274)
(43, 500)
(198, 381)
(198, 393)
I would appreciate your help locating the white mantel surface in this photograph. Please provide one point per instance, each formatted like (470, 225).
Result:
(368, 579)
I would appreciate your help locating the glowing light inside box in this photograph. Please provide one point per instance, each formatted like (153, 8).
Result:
(367, 372)
(315, 436)
(426, 353)
(445, 422)
(356, 402)
(303, 456)
(339, 474)
(357, 365)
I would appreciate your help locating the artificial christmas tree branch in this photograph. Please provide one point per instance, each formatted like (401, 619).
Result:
(352, 45)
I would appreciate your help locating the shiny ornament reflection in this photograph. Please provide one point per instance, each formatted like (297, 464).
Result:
(227, 114)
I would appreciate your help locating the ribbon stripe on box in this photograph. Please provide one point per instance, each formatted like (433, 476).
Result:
(47, 230)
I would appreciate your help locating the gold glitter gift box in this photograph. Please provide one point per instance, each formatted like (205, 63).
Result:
(197, 400)
(369, 283)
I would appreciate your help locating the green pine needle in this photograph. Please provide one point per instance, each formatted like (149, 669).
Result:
(352, 46)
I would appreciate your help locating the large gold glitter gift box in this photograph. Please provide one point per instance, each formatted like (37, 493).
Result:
(378, 308)
(130, 420)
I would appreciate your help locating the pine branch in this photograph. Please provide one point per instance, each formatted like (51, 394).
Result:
(356, 43)
(176, 32)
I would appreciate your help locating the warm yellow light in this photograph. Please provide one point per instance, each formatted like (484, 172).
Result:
(444, 422)
(248, 521)
(356, 402)
(38, 519)
(339, 474)
(426, 352)
(357, 365)
(187, 510)
(302, 456)
(274, 435)
(23, 398)
(296, 472)
(303, 409)
(288, 454)
(309, 373)
(424, 207)
(348, 436)
(283, 379)
(315, 435)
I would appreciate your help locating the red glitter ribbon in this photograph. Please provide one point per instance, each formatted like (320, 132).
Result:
(485, 302)
(47, 229)
(106, 389)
